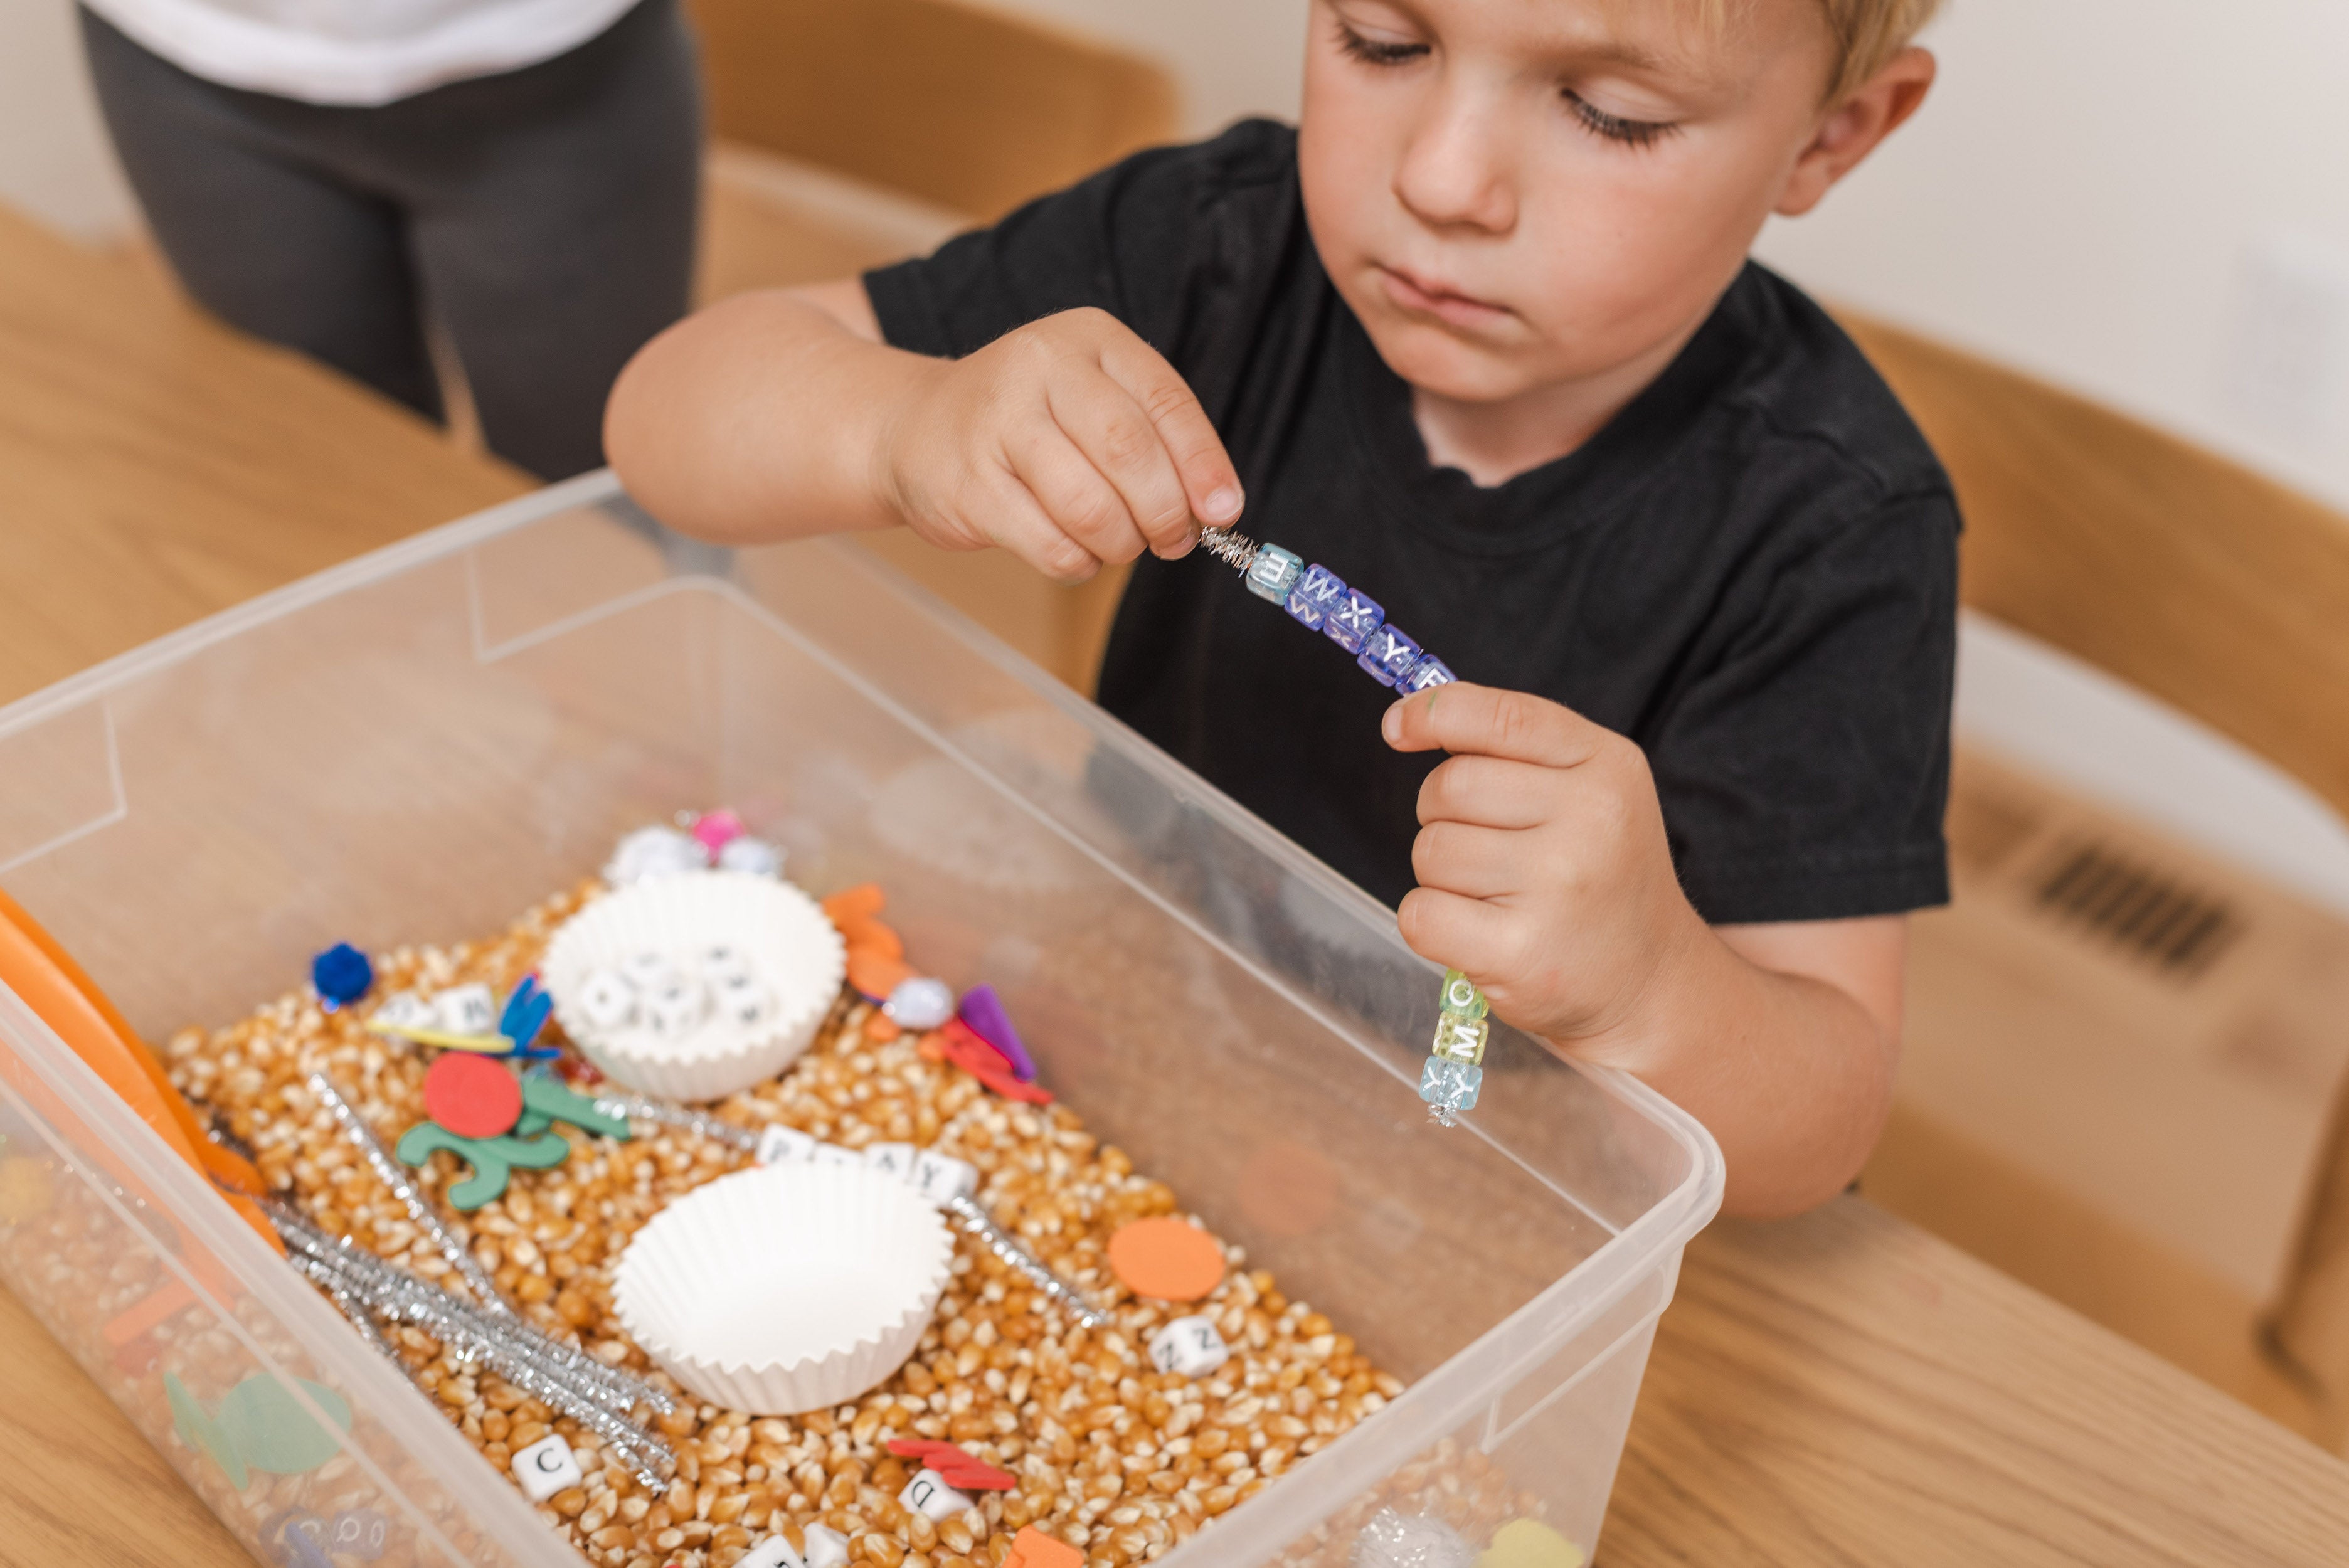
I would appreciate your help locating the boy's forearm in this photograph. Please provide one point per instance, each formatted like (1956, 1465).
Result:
(758, 419)
(1792, 1075)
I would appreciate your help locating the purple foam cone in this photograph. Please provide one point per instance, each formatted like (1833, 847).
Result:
(982, 1013)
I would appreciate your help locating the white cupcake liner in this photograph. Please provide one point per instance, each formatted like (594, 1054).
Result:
(787, 938)
(785, 1288)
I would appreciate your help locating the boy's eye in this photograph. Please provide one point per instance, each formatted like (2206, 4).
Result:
(1614, 126)
(1376, 51)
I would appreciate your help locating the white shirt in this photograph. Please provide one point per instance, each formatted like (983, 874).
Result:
(356, 52)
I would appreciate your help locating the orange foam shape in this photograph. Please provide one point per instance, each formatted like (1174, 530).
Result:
(1167, 1259)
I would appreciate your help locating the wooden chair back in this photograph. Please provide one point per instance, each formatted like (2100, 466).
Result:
(2219, 591)
(964, 107)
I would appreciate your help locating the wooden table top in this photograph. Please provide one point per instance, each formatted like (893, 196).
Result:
(1836, 1389)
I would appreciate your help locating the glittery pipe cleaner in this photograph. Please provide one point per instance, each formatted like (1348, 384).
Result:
(635, 1108)
(606, 1384)
(980, 1223)
(345, 1272)
(394, 1175)
(1228, 545)
(621, 1391)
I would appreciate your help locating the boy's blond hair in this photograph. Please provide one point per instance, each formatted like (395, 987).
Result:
(1867, 33)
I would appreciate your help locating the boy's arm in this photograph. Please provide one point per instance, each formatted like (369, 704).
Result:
(778, 414)
(1545, 874)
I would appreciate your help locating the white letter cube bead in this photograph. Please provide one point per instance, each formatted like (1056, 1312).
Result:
(745, 1006)
(834, 1154)
(676, 1009)
(941, 1178)
(929, 1495)
(467, 1009)
(785, 1146)
(893, 1159)
(406, 1010)
(826, 1547)
(774, 1551)
(545, 1468)
(648, 971)
(608, 1000)
(1188, 1346)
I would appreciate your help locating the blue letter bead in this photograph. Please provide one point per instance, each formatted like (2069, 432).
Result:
(1429, 672)
(1450, 1086)
(1388, 655)
(1274, 572)
(1319, 592)
(1352, 619)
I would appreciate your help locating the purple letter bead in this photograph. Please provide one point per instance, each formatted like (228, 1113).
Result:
(1352, 619)
(1429, 672)
(1315, 595)
(1388, 655)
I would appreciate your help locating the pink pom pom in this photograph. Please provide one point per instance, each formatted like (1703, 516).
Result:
(716, 829)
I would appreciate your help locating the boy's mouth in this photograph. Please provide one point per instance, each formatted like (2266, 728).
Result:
(1425, 296)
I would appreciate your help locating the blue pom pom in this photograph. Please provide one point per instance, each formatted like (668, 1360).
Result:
(341, 974)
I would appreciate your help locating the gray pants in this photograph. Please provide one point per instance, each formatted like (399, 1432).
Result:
(546, 215)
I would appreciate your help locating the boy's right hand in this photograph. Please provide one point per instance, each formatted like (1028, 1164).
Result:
(1069, 442)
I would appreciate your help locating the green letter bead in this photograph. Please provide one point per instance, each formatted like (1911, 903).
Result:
(1461, 998)
(1461, 1040)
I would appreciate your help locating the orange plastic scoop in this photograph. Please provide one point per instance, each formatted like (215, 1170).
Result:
(45, 975)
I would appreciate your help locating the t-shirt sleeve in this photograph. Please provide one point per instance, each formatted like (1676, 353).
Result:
(1128, 240)
(1804, 775)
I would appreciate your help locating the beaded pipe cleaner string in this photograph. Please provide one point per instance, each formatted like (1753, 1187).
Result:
(1318, 600)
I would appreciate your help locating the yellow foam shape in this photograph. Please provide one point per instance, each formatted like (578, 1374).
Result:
(1530, 1543)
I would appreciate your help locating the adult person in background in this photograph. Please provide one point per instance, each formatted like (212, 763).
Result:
(322, 173)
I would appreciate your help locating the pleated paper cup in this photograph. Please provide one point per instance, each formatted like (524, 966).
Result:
(788, 943)
(785, 1288)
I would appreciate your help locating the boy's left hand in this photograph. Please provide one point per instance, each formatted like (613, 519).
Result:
(1543, 868)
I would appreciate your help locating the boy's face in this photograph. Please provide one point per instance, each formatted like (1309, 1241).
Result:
(1513, 194)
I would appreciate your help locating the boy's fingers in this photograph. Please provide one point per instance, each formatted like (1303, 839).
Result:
(1456, 932)
(1489, 792)
(1210, 483)
(1105, 424)
(1475, 862)
(1463, 717)
(1016, 522)
(1075, 497)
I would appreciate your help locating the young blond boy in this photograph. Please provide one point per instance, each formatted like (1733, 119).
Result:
(1482, 336)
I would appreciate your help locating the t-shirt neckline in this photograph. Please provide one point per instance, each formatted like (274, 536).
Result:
(1596, 480)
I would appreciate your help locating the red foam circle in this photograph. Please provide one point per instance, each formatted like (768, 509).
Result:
(472, 1096)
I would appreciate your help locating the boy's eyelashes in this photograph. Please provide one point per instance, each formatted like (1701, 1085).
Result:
(1615, 127)
(1612, 128)
(1377, 51)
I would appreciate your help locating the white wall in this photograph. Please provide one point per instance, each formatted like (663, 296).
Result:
(2144, 200)
(54, 158)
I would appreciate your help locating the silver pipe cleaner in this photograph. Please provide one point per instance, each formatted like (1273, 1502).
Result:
(394, 1175)
(1230, 546)
(635, 1108)
(509, 1347)
(1005, 1246)
(620, 1391)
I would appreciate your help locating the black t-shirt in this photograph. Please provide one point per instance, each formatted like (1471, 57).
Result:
(1751, 571)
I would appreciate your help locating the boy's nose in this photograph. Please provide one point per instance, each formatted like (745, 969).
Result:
(1456, 171)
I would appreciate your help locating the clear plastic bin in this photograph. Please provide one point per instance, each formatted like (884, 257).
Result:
(416, 746)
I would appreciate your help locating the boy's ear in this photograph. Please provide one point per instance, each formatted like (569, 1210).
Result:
(1853, 128)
